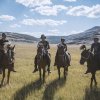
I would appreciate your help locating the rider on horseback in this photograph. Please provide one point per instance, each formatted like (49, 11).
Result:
(46, 47)
(95, 48)
(65, 49)
(2, 43)
(3, 40)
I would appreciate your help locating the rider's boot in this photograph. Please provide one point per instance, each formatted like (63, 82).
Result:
(36, 69)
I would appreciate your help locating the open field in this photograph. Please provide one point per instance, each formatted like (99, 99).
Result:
(24, 85)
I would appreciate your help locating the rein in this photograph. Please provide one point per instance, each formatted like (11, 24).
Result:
(86, 57)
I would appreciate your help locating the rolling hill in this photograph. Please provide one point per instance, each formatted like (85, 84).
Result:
(79, 38)
(17, 37)
(84, 37)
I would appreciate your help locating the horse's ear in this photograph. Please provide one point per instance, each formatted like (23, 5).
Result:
(83, 47)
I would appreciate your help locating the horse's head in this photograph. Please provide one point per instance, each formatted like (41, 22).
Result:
(85, 55)
(60, 49)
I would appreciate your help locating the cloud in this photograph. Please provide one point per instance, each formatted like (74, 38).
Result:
(26, 16)
(55, 31)
(91, 12)
(42, 22)
(15, 25)
(49, 10)
(6, 18)
(33, 3)
(70, 0)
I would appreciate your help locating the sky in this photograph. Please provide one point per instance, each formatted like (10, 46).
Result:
(49, 17)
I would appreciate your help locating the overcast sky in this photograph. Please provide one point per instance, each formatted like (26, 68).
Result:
(49, 17)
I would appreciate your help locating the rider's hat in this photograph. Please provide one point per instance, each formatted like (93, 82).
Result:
(96, 38)
(62, 39)
(3, 35)
(43, 36)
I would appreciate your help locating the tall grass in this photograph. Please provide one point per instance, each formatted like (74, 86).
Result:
(24, 85)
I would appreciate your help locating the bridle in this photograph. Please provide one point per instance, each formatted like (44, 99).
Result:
(86, 58)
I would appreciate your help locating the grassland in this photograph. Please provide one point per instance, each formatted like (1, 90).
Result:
(24, 85)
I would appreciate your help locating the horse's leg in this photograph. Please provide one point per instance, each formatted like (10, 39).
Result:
(44, 75)
(40, 73)
(65, 72)
(94, 79)
(3, 77)
(58, 72)
(8, 76)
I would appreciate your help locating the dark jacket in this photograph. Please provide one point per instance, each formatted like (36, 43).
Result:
(95, 48)
(45, 44)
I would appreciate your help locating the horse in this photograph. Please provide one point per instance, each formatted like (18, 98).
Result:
(62, 60)
(42, 62)
(87, 56)
(8, 63)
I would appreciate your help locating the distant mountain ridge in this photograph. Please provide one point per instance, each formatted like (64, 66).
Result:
(83, 37)
(17, 37)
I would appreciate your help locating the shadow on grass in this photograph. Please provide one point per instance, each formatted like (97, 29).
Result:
(52, 88)
(26, 90)
(92, 94)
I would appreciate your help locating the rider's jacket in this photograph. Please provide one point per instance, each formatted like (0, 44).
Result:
(64, 45)
(2, 43)
(95, 47)
(45, 44)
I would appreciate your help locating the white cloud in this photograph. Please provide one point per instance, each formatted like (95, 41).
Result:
(33, 3)
(49, 10)
(75, 32)
(55, 31)
(6, 18)
(70, 0)
(15, 25)
(42, 22)
(91, 12)
(26, 16)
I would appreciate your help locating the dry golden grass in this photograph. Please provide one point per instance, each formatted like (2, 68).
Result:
(24, 85)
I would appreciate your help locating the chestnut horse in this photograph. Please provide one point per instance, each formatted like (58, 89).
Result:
(7, 64)
(42, 62)
(62, 60)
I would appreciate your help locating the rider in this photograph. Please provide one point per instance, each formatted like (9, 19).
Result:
(46, 47)
(95, 49)
(3, 40)
(65, 49)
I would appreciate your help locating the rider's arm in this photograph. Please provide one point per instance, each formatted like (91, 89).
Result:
(92, 46)
(48, 46)
(66, 47)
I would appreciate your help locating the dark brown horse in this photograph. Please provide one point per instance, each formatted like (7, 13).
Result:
(7, 64)
(87, 56)
(62, 60)
(42, 61)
